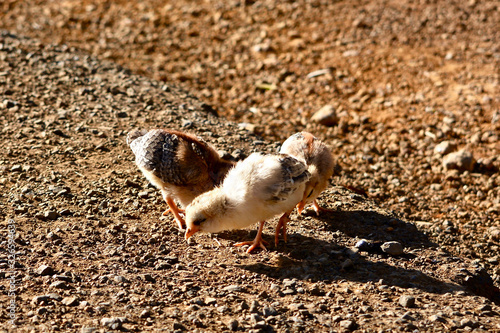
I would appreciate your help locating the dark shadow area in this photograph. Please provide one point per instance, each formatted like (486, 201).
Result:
(374, 226)
(369, 225)
(306, 258)
(312, 259)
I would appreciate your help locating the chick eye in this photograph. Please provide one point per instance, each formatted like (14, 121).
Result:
(310, 193)
(199, 222)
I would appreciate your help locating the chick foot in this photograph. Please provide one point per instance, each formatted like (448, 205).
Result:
(257, 242)
(318, 208)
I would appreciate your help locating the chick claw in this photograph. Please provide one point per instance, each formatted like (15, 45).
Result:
(254, 244)
(318, 208)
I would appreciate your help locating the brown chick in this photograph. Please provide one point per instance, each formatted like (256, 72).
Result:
(181, 165)
(318, 158)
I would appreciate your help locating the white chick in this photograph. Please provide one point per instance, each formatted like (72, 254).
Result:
(256, 189)
(318, 158)
(181, 165)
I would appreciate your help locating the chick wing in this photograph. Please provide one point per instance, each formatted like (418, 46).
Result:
(267, 179)
(181, 165)
(173, 157)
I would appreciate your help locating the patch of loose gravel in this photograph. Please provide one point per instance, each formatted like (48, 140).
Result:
(412, 91)
(91, 244)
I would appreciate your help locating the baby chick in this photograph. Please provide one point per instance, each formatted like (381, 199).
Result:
(256, 189)
(181, 165)
(306, 147)
(318, 158)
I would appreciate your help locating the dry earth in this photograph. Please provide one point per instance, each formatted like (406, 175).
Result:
(405, 78)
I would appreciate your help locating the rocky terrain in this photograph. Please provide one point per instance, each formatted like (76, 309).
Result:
(411, 96)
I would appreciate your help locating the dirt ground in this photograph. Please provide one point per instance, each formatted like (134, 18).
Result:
(411, 83)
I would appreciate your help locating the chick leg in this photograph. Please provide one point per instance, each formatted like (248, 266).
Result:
(257, 242)
(318, 208)
(282, 225)
(175, 211)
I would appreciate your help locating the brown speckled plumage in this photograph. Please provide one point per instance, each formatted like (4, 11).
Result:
(181, 165)
(292, 171)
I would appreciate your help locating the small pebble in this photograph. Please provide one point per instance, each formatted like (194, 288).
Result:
(392, 248)
(114, 323)
(70, 301)
(51, 215)
(269, 311)
(210, 301)
(348, 324)
(44, 270)
(437, 318)
(347, 264)
(143, 194)
(40, 299)
(59, 285)
(461, 160)
(16, 168)
(254, 307)
(232, 288)
(445, 148)
(326, 116)
(88, 330)
(120, 279)
(407, 301)
(55, 296)
(408, 317)
(363, 245)
(145, 314)
(233, 325)
(466, 322)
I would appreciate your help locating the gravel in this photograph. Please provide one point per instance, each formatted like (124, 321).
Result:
(399, 89)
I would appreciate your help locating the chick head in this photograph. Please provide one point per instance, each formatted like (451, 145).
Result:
(206, 212)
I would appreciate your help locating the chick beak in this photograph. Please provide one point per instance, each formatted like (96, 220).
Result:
(190, 232)
(300, 206)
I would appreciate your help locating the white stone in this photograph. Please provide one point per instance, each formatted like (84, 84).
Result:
(326, 116)
(461, 160)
